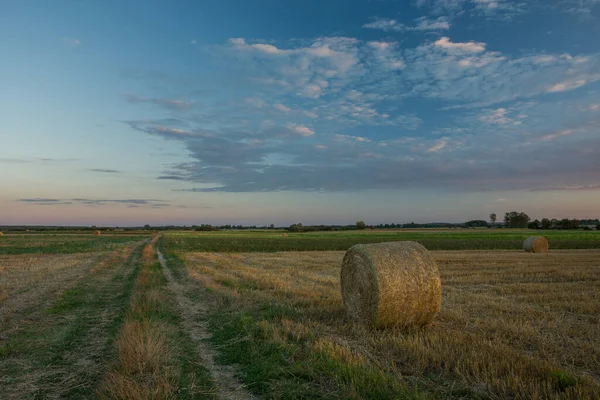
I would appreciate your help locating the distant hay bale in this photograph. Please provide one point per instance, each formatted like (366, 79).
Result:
(535, 244)
(1, 234)
(96, 233)
(285, 235)
(391, 284)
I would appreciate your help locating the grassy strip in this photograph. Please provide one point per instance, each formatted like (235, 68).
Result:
(155, 358)
(63, 244)
(301, 242)
(84, 317)
(291, 367)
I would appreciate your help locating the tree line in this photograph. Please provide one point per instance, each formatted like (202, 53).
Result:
(516, 219)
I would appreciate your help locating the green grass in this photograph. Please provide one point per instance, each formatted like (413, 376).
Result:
(294, 371)
(62, 244)
(265, 241)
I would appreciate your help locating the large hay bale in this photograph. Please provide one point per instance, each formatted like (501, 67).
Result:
(96, 233)
(391, 284)
(535, 244)
(1, 234)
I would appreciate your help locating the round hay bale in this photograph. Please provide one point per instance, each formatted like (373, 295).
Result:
(96, 233)
(1, 234)
(285, 235)
(535, 244)
(391, 284)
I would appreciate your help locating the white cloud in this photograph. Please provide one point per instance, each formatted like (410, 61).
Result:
(71, 42)
(385, 25)
(467, 47)
(593, 107)
(349, 138)
(256, 102)
(564, 132)
(238, 41)
(422, 24)
(501, 116)
(381, 45)
(489, 9)
(425, 24)
(282, 108)
(194, 42)
(566, 85)
(301, 130)
(439, 145)
(267, 48)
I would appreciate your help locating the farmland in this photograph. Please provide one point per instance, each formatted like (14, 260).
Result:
(460, 239)
(256, 314)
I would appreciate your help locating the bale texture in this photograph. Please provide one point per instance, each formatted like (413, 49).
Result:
(535, 244)
(96, 233)
(391, 284)
(1, 234)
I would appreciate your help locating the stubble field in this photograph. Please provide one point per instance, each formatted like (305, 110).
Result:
(116, 323)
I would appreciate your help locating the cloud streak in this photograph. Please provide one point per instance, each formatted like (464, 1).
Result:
(154, 203)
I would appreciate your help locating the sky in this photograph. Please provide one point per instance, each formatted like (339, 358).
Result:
(329, 111)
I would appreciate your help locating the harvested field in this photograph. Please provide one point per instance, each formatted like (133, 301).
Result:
(272, 325)
(512, 325)
(27, 281)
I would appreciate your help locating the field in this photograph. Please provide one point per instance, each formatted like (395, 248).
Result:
(443, 239)
(256, 315)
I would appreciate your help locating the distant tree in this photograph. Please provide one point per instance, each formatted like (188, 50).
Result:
(293, 228)
(146, 227)
(546, 223)
(476, 223)
(515, 219)
(360, 224)
(272, 226)
(534, 224)
(493, 218)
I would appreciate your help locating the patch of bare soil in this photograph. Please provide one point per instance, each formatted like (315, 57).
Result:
(192, 312)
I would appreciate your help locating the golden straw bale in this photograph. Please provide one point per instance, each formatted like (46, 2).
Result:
(535, 244)
(391, 284)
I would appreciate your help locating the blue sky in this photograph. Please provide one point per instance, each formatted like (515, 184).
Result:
(259, 112)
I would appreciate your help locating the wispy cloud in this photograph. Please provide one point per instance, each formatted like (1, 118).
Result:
(504, 10)
(568, 85)
(173, 104)
(467, 47)
(95, 202)
(421, 24)
(104, 170)
(557, 134)
(71, 42)
(568, 188)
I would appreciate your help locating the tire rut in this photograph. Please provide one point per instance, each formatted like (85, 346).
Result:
(229, 387)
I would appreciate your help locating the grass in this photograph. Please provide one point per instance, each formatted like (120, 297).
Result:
(63, 243)
(60, 348)
(154, 356)
(508, 320)
(262, 241)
